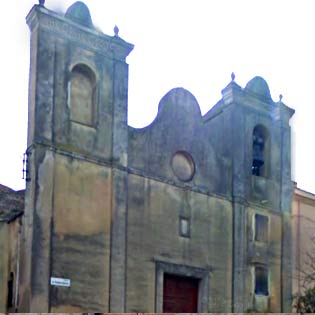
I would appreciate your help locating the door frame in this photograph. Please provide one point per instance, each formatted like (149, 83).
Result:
(184, 271)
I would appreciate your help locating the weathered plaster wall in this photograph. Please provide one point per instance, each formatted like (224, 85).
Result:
(158, 198)
(303, 225)
(265, 253)
(223, 168)
(11, 210)
(9, 247)
(179, 127)
(234, 119)
(14, 229)
(4, 265)
(105, 200)
(81, 234)
(69, 206)
(154, 211)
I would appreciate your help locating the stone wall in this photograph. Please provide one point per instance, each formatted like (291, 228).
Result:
(303, 245)
(110, 209)
(11, 210)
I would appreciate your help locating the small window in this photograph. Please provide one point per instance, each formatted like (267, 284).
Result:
(261, 228)
(261, 280)
(184, 227)
(82, 94)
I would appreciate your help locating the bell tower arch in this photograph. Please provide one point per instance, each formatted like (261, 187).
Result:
(261, 147)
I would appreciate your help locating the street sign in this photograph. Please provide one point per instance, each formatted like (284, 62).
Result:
(60, 282)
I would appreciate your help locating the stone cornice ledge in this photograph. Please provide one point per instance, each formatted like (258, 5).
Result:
(112, 46)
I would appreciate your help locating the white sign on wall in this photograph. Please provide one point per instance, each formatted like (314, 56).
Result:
(60, 282)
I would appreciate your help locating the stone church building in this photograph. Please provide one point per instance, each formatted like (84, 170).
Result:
(189, 214)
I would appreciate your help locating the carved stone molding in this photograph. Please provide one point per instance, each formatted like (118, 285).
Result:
(114, 47)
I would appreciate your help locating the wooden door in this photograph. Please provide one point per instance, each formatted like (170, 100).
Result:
(180, 294)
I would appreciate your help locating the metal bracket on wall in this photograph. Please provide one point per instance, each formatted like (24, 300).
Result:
(25, 170)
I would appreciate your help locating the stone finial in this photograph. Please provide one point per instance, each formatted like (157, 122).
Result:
(116, 30)
(233, 76)
(280, 97)
(41, 2)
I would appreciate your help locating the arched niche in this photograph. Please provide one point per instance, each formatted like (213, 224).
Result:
(82, 90)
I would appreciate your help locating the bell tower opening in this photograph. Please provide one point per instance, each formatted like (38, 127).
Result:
(260, 148)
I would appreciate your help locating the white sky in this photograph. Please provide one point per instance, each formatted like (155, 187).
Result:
(195, 44)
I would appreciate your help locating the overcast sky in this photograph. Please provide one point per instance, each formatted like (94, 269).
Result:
(194, 44)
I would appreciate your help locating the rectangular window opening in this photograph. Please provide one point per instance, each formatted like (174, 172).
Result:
(261, 228)
(261, 280)
(184, 227)
(10, 290)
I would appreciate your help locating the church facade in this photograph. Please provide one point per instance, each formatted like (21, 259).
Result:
(189, 214)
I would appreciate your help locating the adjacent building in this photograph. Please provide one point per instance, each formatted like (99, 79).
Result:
(11, 211)
(189, 214)
(303, 236)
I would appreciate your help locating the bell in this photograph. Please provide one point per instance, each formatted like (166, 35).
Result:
(258, 154)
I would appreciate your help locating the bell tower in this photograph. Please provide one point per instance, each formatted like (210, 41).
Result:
(73, 257)
(261, 189)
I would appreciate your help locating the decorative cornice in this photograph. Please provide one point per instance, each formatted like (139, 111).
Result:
(114, 46)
